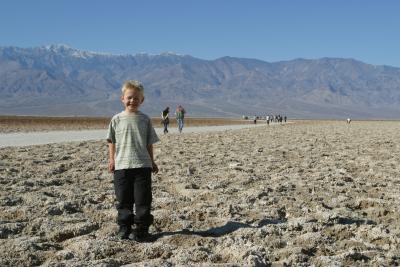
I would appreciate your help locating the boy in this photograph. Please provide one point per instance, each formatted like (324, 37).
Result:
(130, 143)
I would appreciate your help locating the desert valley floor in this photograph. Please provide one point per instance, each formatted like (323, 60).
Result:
(321, 193)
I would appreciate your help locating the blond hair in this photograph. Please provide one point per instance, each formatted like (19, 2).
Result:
(133, 85)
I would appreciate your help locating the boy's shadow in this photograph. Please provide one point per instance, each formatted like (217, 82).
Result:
(228, 228)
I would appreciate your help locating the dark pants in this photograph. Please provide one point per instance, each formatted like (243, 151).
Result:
(133, 186)
(166, 126)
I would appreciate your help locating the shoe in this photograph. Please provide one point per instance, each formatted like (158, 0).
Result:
(139, 237)
(140, 234)
(124, 232)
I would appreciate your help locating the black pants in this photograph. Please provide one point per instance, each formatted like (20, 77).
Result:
(133, 187)
(166, 126)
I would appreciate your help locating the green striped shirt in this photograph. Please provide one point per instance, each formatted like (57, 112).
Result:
(131, 134)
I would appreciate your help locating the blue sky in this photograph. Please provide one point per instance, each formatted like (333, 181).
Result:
(268, 30)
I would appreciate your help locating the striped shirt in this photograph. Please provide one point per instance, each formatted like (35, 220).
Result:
(131, 134)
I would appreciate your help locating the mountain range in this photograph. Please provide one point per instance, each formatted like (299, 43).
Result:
(58, 80)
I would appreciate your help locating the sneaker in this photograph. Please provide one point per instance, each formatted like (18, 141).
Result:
(123, 232)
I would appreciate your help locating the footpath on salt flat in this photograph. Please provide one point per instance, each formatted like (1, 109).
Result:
(41, 138)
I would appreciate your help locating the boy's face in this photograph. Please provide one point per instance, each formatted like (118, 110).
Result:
(132, 100)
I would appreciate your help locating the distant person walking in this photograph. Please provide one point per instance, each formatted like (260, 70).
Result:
(180, 116)
(165, 119)
(348, 120)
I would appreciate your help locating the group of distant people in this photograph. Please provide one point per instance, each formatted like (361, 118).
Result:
(275, 118)
(179, 115)
(270, 118)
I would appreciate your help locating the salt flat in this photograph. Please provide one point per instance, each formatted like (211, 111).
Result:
(48, 137)
(302, 194)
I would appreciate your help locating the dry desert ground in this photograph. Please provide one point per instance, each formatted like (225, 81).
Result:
(320, 193)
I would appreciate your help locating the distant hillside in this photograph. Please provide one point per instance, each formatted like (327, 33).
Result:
(59, 80)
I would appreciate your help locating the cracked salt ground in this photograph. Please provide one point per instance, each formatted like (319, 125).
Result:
(305, 194)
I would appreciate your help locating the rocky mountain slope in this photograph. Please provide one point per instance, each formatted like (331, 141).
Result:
(60, 80)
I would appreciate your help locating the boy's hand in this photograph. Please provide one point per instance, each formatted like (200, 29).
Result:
(111, 166)
(154, 168)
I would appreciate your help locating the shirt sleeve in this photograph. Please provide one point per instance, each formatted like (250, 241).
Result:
(111, 133)
(151, 134)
